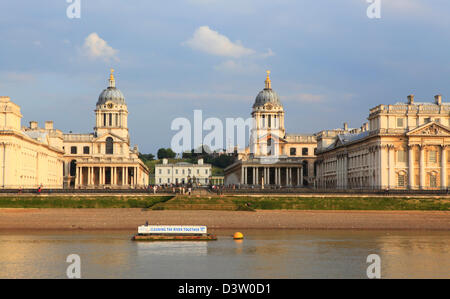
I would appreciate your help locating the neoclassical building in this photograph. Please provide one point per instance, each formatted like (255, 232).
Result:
(30, 157)
(403, 146)
(104, 159)
(273, 157)
(33, 157)
(183, 173)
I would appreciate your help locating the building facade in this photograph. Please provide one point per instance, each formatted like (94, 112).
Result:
(104, 159)
(273, 157)
(181, 173)
(403, 146)
(30, 157)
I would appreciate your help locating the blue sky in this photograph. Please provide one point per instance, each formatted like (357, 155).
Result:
(330, 63)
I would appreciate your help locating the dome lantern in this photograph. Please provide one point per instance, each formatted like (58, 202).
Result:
(267, 95)
(111, 93)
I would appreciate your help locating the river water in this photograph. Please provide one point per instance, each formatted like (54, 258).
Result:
(262, 254)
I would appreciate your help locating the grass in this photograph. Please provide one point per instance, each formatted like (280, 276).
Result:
(240, 203)
(229, 203)
(79, 202)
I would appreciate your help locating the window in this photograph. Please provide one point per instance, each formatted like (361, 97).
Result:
(433, 180)
(305, 151)
(198, 171)
(400, 122)
(401, 156)
(182, 171)
(168, 171)
(293, 151)
(160, 172)
(206, 171)
(432, 156)
(426, 120)
(176, 171)
(110, 119)
(86, 150)
(104, 119)
(160, 180)
(109, 146)
(269, 146)
(73, 150)
(401, 180)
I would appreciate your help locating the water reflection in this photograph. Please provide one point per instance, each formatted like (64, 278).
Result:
(185, 248)
(262, 254)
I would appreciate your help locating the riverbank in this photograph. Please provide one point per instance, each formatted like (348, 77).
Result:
(129, 219)
(228, 202)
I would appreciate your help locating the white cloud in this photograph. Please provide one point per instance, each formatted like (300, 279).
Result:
(95, 47)
(214, 43)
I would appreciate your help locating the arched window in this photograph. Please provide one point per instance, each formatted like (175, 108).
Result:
(269, 146)
(109, 146)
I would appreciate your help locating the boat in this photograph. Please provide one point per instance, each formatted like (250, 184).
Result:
(173, 233)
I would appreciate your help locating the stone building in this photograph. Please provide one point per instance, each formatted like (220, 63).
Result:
(273, 157)
(183, 173)
(403, 146)
(104, 159)
(30, 157)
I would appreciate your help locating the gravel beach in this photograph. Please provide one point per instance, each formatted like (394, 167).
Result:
(129, 219)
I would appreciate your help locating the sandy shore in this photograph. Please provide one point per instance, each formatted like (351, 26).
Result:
(129, 219)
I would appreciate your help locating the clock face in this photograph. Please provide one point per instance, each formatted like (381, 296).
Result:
(110, 105)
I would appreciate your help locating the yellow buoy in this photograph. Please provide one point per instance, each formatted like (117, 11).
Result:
(238, 236)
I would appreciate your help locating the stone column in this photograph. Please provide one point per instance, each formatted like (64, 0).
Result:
(422, 168)
(126, 175)
(443, 167)
(257, 175)
(391, 162)
(276, 175)
(301, 177)
(298, 176)
(254, 176)
(104, 175)
(242, 175)
(410, 167)
(123, 176)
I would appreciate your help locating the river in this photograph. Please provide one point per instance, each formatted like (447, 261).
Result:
(262, 254)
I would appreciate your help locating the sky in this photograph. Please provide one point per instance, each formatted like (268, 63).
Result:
(330, 63)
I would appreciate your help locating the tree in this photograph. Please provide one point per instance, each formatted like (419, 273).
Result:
(166, 153)
(146, 157)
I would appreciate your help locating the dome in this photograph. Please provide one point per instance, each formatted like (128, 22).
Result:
(267, 95)
(111, 94)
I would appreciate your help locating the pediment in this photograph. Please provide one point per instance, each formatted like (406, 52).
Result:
(104, 136)
(430, 129)
(267, 136)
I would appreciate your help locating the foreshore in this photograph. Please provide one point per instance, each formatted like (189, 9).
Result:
(129, 219)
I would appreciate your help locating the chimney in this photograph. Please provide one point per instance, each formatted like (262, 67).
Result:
(345, 127)
(200, 161)
(165, 161)
(49, 125)
(438, 99)
(33, 124)
(411, 99)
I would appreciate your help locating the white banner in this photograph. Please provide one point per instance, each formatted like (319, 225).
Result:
(172, 229)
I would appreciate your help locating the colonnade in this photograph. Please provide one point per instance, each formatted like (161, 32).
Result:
(106, 175)
(272, 175)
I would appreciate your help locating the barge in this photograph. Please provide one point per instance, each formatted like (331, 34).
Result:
(173, 233)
